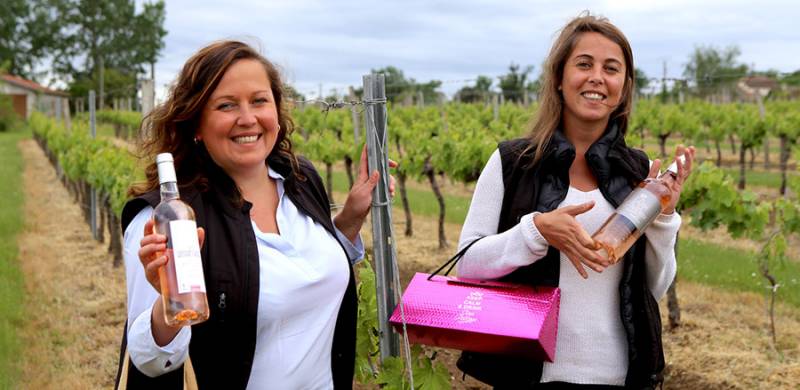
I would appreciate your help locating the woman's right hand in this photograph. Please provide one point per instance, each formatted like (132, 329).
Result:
(561, 230)
(152, 252)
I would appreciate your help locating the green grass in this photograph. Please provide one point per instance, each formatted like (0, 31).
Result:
(758, 178)
(735, 269)
(11, 286)
(422, 202)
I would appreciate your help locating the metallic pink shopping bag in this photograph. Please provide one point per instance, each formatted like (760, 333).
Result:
(480, 316)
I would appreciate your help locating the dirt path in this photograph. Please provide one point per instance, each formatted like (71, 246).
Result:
(75, 299)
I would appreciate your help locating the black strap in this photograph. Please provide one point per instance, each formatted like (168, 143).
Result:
(453, 260)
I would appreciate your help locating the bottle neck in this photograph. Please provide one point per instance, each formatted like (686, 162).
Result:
(169, 191)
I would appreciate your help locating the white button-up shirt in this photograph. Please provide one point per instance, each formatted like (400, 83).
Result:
(303, 276)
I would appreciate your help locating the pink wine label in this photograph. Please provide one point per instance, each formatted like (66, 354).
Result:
(186, 254)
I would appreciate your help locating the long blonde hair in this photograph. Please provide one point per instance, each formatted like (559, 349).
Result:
(551, 105)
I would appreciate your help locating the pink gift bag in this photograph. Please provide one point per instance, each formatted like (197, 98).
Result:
(480, 316)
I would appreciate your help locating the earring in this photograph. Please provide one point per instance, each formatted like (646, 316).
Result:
(279, 127)
(559, 87)
(196, 140)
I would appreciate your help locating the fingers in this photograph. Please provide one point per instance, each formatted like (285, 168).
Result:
(685, 166)
(391, 186)
(392, 163)
(579, 267)
(654, 169)
(201, 235)
(151, 245)
(148, 226)
(579, 209)
(373, 180)
(680, 151)
(363, 167)
(151, 271)
(689, 160)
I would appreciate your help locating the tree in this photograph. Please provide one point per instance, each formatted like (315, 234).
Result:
(104, 35)
(712, 70)
(150, 34)
(513, 84)
(476, 93)
(401, 89)
(792, 78)
(26, 34)
(641, 81)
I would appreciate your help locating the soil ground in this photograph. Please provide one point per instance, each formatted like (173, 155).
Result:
(76, 306)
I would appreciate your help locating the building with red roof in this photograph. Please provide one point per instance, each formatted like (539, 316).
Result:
(27, 96)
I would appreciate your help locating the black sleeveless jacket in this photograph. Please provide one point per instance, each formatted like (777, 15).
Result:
(541, 187)
(222, 348)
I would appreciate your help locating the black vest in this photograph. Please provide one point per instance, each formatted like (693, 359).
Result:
(541, 187)
(222, 348)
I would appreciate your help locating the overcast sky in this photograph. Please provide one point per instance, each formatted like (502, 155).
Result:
(334, 43)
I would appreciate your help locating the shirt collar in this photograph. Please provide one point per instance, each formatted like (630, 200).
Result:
(279, 180)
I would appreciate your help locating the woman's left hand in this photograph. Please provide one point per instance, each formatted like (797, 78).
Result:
(359, 200)
(684, 169)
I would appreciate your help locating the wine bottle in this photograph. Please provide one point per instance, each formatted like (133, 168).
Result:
(183, 290)
(634, 215)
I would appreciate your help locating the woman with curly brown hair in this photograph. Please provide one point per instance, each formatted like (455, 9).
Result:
(277, 267)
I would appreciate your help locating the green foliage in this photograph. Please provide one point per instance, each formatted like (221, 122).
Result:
(477, 93)
(399, 88)
(428, 374)
(126, 123)
(367, 330)
(710, 69)
(24, 37)
(8, 118)
(641, 81)
(107, 168)
(712, 199)
(83, 36)
(514, 83)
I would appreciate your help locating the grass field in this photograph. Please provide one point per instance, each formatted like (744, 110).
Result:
(759, 178)
(735, 270)
(11, 286)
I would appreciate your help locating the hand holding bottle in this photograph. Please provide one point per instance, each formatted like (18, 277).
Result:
(657, 194)
(151, 252)
(562, 231)
(675, 182)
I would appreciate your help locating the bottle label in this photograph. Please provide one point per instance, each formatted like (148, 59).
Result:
(641, 207)
(186, 254)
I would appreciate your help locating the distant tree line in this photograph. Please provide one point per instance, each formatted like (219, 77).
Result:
(103, 45)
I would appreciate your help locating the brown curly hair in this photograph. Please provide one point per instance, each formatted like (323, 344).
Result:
(548, 117)
(171, 126)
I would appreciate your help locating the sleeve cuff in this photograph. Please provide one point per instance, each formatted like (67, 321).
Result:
(150, 358)
(355, 251)
(667, 218)
(533, 239)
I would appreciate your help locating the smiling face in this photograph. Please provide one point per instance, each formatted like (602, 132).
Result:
(592, 82)
(239, 124)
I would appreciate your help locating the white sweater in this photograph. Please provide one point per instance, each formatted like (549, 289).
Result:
(591, 347)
